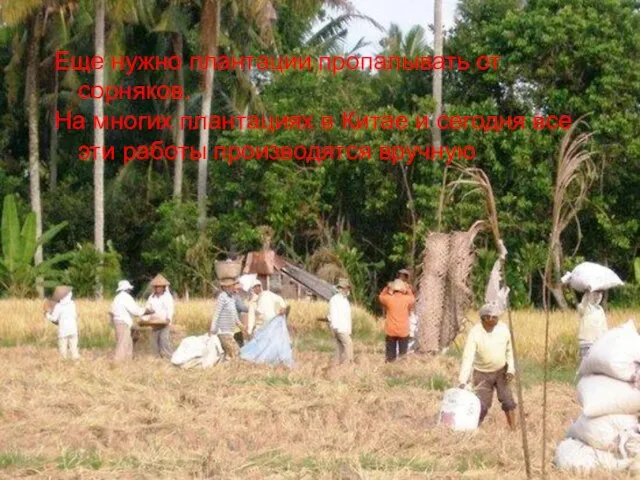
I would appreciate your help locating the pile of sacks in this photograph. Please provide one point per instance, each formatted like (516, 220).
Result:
(607, 434)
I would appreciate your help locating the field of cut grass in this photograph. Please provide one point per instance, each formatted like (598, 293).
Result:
(147, 419)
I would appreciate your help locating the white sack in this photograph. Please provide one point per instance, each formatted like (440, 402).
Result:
(603, 432)
(202, 351)
(213, 351)
(600, 395)
(615, 354)
(460, 410)
(575, 456)
(589, 277)
(189, 348)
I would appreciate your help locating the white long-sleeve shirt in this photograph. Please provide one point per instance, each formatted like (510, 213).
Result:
(487, 351)
(340, 314)
(268, 305)
(162, 305)
(124, 307)
(65, 315)
(593, 322)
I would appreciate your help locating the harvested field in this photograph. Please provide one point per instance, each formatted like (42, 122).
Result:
(147, 419)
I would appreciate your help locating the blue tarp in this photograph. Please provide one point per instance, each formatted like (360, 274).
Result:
(270, 344)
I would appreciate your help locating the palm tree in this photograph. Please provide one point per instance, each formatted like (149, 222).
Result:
(98, 138)
(259, 12)
(31, 16)
(437, 74)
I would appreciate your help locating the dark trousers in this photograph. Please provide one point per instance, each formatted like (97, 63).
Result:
(393, 344)
(485, 383)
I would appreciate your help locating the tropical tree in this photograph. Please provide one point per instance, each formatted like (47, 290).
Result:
(18, 272)
(98, 138)
(31, 16)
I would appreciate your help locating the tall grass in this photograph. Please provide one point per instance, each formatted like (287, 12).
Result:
(22, 322)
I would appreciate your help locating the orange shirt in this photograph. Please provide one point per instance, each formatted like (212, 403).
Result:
(398, 306)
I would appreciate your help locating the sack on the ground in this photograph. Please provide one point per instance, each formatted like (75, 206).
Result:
(601, 395)
(629, 443)
(616, 354)
(590, 277)
(573, 455)
(213, 351)
(460, 410)
(202, 351)
(603, 432)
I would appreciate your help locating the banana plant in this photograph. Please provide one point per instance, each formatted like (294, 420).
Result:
(18, 272)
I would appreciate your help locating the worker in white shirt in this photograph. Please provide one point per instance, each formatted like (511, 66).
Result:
(593, 322)
(248, 283)
(64, 315)
(161, 302)
(268, 306)
(122, 309)
(340, 321)
(488, 353)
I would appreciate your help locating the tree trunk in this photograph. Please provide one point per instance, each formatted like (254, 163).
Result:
(98, 140)
(53, 136)
(178, 47)
(33, 116)
(211, 10)
(555, 288)
(437, 74)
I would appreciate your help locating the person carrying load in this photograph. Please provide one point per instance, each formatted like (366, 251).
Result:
(488, 353)
(593, 322)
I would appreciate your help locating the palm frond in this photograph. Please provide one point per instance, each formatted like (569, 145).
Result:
(16, 12)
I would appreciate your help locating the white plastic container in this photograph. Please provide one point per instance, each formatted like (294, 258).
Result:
(460, 410)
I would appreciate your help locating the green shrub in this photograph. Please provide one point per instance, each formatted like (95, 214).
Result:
(84, 271)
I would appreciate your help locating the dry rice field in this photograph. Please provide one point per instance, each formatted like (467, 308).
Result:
(149, 420)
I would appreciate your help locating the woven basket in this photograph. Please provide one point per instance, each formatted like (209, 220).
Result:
(229, 268)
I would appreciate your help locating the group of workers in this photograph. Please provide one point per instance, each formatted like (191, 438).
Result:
(487, 359)
(398, 302)
(239, 298)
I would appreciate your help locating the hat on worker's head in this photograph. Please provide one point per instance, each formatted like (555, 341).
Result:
(248, 281)
(159, 281)
(60, 292)
(398, 286)
(492, 309)
(343, 283)
(228, 281)
(124, 285)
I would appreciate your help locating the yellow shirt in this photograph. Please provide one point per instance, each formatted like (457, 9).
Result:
(487, 352)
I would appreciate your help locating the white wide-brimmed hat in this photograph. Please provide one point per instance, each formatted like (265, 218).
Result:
(124, 285)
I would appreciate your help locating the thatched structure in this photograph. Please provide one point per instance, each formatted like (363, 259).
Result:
(444, 294)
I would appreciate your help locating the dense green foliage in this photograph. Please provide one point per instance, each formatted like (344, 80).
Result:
(368, 218)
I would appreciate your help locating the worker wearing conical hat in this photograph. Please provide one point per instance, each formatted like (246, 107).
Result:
(398, 302)
(162, 304)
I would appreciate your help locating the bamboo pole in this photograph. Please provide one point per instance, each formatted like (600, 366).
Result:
(523, 421)
(545, 300)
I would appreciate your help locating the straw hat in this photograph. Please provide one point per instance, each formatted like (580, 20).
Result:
(124, 285)
(60, 292)
(343, 283)
(159, 281)
(398, 285)
(228, 282)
